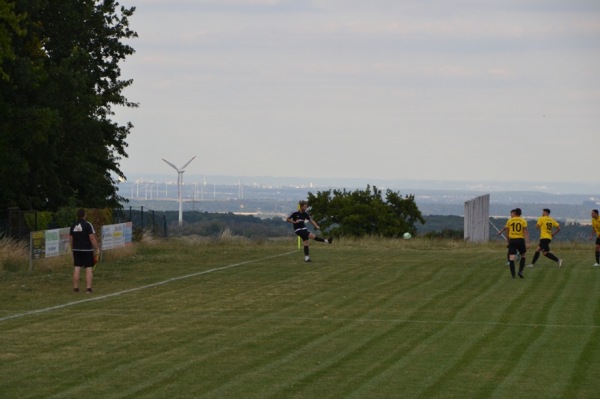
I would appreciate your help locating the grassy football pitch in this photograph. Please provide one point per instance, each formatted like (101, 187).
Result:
(368, 318)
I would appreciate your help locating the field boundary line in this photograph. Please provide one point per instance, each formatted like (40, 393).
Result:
(157, 284)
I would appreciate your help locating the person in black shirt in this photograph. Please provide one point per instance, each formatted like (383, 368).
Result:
(298, 219)
(83, 244)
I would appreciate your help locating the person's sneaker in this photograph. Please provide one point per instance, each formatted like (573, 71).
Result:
(596, 264)
(88, 291)
(531, 265)
(330, 240)
(307, 260)
(521, 275)
(75, 289)
(560, 261)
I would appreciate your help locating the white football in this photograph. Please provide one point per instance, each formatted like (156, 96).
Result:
(407, 236)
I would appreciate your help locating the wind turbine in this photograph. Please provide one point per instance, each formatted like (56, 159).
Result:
(179, 184)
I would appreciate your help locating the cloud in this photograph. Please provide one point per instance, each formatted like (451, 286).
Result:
(227, 6)
(377, 81)
(498, 72)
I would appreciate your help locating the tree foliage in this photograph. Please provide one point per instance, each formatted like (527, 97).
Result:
(9, 26)
(60, 62)
(365, 212)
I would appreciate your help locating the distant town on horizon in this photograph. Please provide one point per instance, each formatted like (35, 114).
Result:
(273, 197)
(554, 187)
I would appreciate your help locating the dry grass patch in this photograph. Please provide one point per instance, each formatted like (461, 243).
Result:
(14, 255)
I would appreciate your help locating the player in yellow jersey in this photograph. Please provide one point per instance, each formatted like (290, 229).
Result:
(548, 228)
(518, 241)
(596, 233)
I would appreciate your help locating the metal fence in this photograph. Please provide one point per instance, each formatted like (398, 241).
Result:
(14, 223)
(144, 221)
(18, 224)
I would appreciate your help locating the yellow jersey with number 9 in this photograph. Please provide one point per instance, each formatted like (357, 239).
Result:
(516, 227)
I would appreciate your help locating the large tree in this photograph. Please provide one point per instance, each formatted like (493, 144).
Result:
(9, 26)
(365, 212)
(58, 144)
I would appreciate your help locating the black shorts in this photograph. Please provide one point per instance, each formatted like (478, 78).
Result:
(545, 244)
(597, 240)
(304, 234)
(516, 245)
(83, 258)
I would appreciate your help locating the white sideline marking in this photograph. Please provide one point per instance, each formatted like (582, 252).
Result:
(98, 298)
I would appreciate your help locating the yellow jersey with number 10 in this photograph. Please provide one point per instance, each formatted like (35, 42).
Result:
(516, 227)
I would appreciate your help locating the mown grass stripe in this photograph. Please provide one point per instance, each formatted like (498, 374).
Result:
(157, 284)
(395, 320)
(463, 360)
(584, 376)
(398, 362)
(332, 335)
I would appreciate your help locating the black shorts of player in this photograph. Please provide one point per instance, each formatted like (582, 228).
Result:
(597, 240)
(516, 244)
(83, 258)
(545, 244)
(303, 233)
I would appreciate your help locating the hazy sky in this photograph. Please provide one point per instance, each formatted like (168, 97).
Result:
(388, 89)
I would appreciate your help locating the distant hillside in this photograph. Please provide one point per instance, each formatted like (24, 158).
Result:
(570, 231)
(214, 224)
(441, 205)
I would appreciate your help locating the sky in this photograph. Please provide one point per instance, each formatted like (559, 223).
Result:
(495, 90)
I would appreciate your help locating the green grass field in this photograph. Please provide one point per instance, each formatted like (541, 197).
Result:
(366, 319)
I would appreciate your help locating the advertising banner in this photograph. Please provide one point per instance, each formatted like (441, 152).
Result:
(116, 235)
(38, 244)
(57, 242)
(48, 243)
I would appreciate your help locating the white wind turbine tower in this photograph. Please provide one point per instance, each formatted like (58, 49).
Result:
(179, 184)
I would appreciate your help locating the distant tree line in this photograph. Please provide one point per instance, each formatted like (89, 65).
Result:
(340, 213)
(208, 224)
(442, 226)
(213, 224)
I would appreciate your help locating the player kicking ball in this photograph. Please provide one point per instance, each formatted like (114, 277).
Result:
(298, 219)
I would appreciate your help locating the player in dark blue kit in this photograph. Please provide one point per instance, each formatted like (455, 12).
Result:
(298, 219)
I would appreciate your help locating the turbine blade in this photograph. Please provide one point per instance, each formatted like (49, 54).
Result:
(183, 167)
(174, 167)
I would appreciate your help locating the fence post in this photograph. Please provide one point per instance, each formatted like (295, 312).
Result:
(30, 252)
